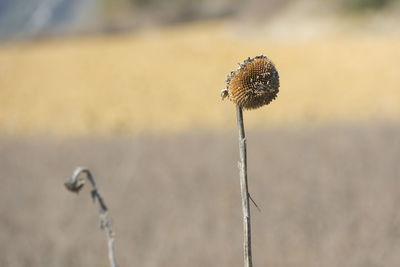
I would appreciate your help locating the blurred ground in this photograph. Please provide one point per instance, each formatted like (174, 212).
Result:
(142, 110)
(329, 197)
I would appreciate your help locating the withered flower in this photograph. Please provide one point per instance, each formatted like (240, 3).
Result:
(254, 84)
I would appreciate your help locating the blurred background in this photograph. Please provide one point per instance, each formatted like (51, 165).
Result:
(130, 89)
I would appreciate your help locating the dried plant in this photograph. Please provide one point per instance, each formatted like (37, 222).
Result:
(75, 184)
(254, 84)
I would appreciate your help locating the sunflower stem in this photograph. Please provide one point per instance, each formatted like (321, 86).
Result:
(244, 189)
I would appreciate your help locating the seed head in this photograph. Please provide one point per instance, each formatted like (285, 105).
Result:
(254, 84)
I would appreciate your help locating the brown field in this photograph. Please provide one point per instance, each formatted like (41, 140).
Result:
(329, 197)
(170, 80)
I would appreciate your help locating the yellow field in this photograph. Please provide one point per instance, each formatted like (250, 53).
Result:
(170, 80)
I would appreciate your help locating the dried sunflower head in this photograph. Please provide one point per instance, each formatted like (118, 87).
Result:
(254, 84)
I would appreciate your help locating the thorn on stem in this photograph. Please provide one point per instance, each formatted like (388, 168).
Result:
(255, 204)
